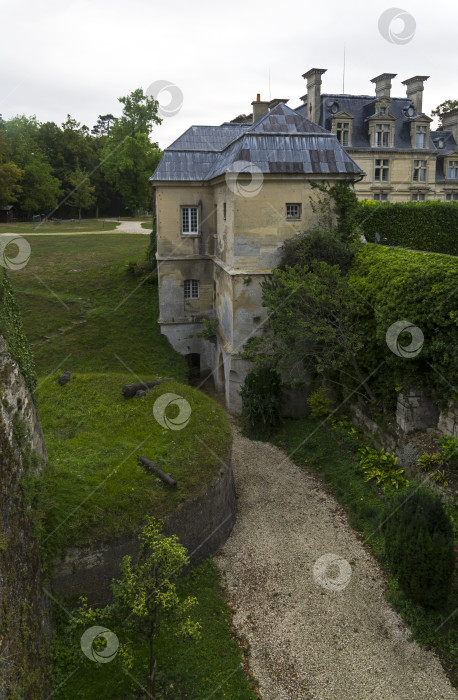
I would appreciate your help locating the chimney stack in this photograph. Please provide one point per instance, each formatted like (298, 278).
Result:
(313, 78)
(383, 84)
(415, 91)
(450, 122)
(259, 108)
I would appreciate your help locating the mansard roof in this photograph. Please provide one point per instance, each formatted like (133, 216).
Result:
(281, 141)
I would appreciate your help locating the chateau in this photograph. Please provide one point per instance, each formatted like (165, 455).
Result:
(228, 196)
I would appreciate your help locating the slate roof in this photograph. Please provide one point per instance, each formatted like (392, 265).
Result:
(363, 106)
(282, 141)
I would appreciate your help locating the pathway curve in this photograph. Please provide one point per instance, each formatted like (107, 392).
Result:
(309, 642)
(124, 227)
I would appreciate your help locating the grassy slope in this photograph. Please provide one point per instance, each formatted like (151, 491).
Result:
(101, 325)
(56, 227)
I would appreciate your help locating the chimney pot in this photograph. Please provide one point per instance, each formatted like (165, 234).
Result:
(259, 108)
(313, 77)
(258, 97)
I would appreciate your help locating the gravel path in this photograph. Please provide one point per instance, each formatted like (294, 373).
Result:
(311, 640)
(124, 227)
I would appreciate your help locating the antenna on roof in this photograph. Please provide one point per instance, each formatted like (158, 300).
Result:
(270, 94)
(343, 75)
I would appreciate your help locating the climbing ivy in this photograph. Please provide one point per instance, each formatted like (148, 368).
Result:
(11, 330)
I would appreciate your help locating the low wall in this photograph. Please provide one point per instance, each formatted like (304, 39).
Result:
(202, 525)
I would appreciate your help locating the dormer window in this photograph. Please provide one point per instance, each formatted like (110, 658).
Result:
(343, 133)
(420, 136)
(440, 143)
(334, 108)
(383, 135)
(452, 170)
(410, 111)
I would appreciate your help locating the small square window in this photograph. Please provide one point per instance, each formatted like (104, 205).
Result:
(293, 211)
(191, 289)
(189, 220)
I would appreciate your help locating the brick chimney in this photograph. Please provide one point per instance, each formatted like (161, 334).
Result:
(450, 122)
(415, 90)
(383, 84)
(313, 78)
(259, 108)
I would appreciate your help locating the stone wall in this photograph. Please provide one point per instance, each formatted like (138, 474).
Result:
(414, 411)
(24, 615)
(448, 420)
(202, 525)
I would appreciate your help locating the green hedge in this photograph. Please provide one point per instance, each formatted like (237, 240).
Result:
(421, 288)
(431, 226)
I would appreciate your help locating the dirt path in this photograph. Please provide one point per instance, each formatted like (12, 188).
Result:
(323, 634)
(124, 227)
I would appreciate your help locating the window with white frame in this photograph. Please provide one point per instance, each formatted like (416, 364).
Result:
(418, 197)
(382, 135)
(420, 136)
(451, 197)
(382, 170)
(191, 289)
(343, 133)
(453, 169)
(293, 211)
(381, 197)
(189, 220)
(419, 171)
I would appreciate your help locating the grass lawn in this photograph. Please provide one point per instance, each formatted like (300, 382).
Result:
(85, 313)
(147, 225)
(197, 669)
(332, 453)
(57, 227)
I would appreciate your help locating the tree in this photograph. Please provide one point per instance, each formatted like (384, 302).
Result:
(82, 194)
(41, 190)
(102, 128)
(313, 324)
(128, 157)
(441, 109)
(145, 597)
(10, 174)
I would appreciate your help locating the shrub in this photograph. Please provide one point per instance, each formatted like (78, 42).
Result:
(262, 397)
(381, 466)
(428, 462)
(320, 403)
(316, 246)
(419, 546)
(449, 447)
(429, 226)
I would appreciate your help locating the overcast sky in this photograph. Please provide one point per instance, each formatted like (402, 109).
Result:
(79, 56)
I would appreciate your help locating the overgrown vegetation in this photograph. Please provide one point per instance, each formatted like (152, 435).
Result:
(430, 226)
(261, 402)
(419, 546)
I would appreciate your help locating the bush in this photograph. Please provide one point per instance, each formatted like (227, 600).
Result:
(262, 398)
(320, 403)
(420, 288)
(316, 246)
(429, 226)
(419, 546)
(381, 466)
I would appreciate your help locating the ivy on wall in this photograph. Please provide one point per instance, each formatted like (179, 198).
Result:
(11, 330)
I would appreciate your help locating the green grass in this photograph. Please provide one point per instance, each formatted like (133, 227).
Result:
(59, 227)
(332, 453)
(101, 325)
(147, 225)
(209, 667)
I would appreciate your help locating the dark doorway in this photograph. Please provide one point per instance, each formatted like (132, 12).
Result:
(193, 360)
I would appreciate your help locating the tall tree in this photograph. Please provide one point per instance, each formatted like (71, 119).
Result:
(104, 122)
(441, 109)
(129, 157)
(82, 193)
(10, 174)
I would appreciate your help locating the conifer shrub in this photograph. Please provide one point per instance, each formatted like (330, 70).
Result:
(262, 399)
(419, 546)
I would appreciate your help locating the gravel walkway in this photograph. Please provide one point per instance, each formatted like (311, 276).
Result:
(311, 640)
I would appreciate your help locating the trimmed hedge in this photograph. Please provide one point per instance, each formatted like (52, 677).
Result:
(405, 285)
(429, 226)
